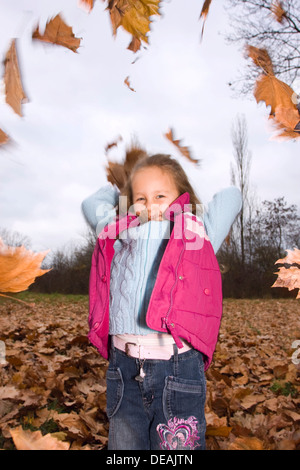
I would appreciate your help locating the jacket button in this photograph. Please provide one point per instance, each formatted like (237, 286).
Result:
(95, 325)
(206, 291)
(180, 278)
(172, 325)
(103, 278)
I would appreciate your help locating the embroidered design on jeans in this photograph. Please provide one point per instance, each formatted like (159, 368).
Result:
(178, 434)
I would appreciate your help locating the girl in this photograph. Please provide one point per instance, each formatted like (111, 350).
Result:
(156, 302)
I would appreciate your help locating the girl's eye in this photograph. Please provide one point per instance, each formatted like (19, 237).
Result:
(160, 196)
(140, 199)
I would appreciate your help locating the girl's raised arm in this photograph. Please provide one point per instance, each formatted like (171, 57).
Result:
(99, 209)
(220, 215)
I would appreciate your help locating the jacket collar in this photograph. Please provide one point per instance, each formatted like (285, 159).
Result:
(130, 220)
(177, 206)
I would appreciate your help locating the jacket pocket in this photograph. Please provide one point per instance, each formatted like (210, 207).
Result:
(199, 290)
(114, 392)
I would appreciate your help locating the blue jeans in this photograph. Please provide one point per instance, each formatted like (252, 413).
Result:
(164, 411)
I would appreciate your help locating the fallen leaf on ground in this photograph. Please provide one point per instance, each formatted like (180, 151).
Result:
(63, 392)
(28, 440)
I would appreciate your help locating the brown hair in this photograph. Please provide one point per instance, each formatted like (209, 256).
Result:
(170, 165)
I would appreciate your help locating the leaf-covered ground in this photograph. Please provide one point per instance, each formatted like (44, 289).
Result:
(53, 381)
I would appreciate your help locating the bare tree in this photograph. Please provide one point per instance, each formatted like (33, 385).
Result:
(13, 238)
(240, 173)
(255, 23)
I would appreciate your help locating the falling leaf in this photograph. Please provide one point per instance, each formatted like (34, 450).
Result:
(274, 93)
(185, 151)
(293, 256)
(118, 173)
(14, 92)
(3, 137)
(289, 277)
(135, 44)
(19, 267)
(278, 11)
(261, 58)
(289, 117)
(127, 83)
(58, 32)
(204, 13)
(286, 122)
(284, 113)
(87, 4)
(113, 144)
(134, 16)
(28, 440)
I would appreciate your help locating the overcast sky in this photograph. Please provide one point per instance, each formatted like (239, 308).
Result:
(78, 103)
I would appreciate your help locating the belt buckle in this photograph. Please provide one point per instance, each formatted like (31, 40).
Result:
(127, 346)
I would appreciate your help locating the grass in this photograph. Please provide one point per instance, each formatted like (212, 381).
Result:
(35, 297)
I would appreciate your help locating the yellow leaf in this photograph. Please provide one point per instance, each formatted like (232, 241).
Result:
(19, 267)
(28, 440)
(134, 17)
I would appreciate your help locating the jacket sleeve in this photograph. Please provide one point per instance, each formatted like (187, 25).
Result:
(220, 215)
(99, 209)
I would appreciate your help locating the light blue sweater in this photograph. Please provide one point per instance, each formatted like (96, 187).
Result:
(137, 257)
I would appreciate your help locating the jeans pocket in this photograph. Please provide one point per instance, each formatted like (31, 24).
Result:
(114, 393)
(183, 405)
(183, 397)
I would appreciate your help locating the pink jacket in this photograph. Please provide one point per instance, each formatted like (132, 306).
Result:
(186, 300)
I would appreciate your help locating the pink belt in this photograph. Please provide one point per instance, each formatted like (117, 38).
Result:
(146, 351)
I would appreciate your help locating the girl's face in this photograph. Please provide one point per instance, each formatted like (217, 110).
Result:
(153, 190)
